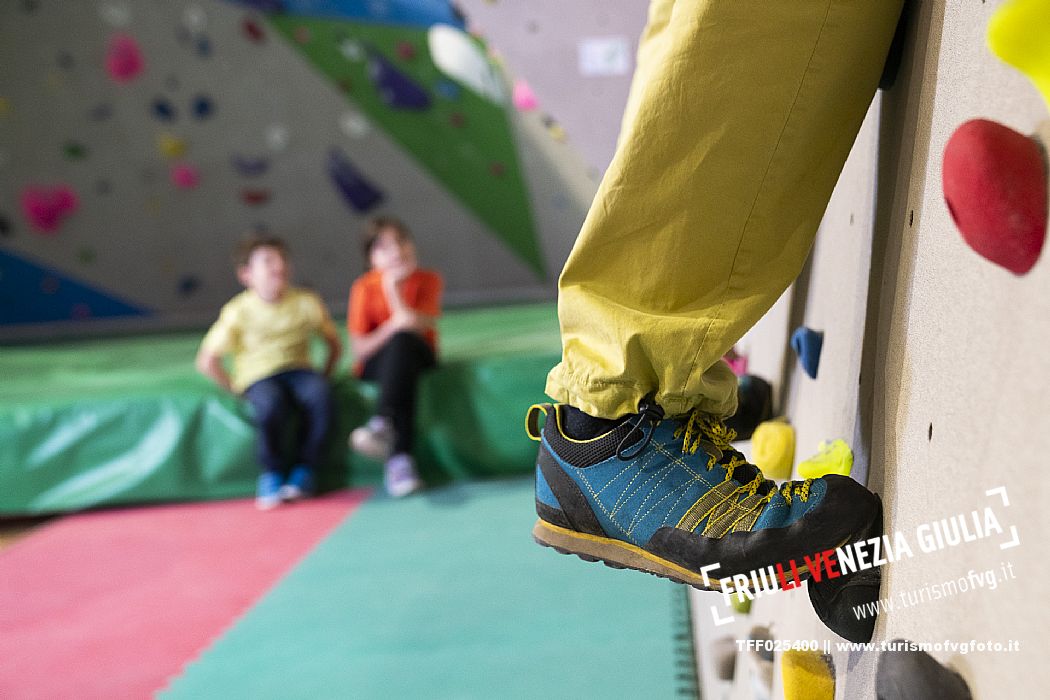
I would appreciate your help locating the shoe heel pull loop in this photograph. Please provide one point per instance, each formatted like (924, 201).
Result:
(532, 420)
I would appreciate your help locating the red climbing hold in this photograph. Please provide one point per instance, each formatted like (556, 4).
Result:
(252, 30)
(995, 184)
(406, 51)
(255, 197)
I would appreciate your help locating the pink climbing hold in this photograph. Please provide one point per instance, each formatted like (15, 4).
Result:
(46, 207)
(995, 184)
(124, 61)
(185, 176)
(523, 96)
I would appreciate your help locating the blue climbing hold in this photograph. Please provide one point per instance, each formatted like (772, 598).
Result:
(807, 343)
(361, 194)
(447, 89)
(188, 285)
(163, 110)
(203, 106)
(395, 88)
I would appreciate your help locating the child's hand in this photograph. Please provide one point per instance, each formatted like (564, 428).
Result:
(396, 274)
(406, 320)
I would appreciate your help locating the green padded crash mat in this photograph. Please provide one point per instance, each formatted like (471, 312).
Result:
(444, 595)
(129, 420)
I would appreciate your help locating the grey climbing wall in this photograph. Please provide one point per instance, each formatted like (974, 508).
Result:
(121, 198)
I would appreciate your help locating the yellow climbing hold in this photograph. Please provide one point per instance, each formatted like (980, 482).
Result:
(773, 449)
(833, 457)
(740, 602)
(1019, 33)
(807, 675)
(171, 146)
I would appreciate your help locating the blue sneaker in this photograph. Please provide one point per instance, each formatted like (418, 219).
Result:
(300, 484)
(671, 497)
(267, 491)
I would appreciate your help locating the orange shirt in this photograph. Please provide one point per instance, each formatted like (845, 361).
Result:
(368, 308)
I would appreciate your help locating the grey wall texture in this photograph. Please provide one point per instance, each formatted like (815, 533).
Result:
(542, 41)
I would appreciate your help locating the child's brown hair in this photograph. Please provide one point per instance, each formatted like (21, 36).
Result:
(249, 244)
(377, 225)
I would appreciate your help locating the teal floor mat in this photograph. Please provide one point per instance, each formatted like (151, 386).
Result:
(445, 595)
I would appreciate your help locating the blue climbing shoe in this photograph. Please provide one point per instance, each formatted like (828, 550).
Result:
(671, 497)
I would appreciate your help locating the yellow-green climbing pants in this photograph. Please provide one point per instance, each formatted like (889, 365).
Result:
(740, 117)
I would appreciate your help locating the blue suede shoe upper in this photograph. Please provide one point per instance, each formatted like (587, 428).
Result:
(634, 498)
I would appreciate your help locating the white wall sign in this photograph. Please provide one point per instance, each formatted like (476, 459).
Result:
(610, 55)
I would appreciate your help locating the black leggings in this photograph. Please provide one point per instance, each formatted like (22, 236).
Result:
(396, 367)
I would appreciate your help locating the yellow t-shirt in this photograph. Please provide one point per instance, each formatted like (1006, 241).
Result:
(266, 338)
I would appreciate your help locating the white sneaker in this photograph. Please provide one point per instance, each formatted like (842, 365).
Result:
(399, 476)
(374, 439)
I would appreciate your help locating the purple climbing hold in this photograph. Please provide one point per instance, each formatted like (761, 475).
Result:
(807, 344)
(249, 167)
(359, 193)
(395, 88)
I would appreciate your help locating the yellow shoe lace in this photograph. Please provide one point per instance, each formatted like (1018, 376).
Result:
(702, 428)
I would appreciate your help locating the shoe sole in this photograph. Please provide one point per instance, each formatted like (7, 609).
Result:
(267, 503)
(617, 554)
(403, 491)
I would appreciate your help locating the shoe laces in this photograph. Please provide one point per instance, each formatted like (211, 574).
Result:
(703, 430)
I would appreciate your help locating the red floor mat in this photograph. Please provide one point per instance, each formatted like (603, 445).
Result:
(113, 603)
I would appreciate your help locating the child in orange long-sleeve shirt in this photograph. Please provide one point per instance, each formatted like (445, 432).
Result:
(391, 320)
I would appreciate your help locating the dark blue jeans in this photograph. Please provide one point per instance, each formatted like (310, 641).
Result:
(273, 400)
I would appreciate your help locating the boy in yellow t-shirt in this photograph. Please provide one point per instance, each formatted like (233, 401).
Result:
(267, 329)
